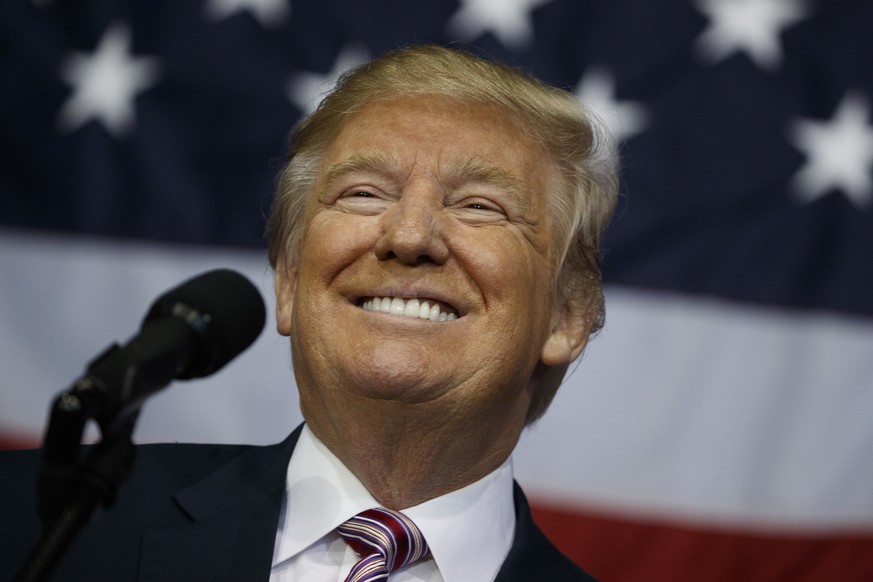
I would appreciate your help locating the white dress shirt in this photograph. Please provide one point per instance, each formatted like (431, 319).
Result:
(321, 493)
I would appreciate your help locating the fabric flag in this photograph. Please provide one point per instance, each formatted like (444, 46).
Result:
(720, 427)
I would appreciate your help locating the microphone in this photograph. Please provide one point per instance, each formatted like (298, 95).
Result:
(190, 331)
(225, 311)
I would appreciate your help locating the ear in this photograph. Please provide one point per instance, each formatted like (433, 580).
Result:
(286, 286)
(568, 337)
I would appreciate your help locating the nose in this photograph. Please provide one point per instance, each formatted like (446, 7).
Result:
(411, 232)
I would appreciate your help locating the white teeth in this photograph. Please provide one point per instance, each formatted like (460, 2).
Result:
(408, 308)
(398, 307)
(411, 309)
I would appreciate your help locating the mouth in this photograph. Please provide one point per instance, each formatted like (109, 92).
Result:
(414, 308)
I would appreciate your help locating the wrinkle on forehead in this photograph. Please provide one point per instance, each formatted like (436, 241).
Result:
(380, 141)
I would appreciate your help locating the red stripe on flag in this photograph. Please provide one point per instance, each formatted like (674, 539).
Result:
(618, 549)
(10, 441)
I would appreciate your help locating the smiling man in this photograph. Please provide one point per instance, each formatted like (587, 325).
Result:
(435, 237)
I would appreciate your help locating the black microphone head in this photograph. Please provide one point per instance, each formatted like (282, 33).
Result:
(224, 309)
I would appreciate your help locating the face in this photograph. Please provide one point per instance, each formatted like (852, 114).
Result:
(425, 267)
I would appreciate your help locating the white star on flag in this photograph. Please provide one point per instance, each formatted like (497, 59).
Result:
(270, 13)
(750, 26)
(105, 83)
(596, 89)
(306, 90)
(839, 153)
(508, 20)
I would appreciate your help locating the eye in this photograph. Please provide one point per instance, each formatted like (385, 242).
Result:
(359, 194)
(363, 200)
(479, 210)
(482, 206)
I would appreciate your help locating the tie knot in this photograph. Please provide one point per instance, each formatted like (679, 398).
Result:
(385, 540)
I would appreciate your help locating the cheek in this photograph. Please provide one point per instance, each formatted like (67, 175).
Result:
(334, 242)
(525, 278)
(509, 267)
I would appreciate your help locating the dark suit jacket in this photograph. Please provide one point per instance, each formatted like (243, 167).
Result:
(203, 512)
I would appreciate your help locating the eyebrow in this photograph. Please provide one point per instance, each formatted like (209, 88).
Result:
(479, 171)
(373, 162)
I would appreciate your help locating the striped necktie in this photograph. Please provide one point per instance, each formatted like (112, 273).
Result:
(385, 540)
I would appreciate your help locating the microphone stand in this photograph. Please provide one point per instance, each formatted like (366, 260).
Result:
(95, 483)
(68, 491)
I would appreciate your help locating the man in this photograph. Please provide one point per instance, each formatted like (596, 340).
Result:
(435, 239)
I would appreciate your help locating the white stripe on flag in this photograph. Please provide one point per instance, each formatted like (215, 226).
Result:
(682, 407)
(65, 299)
(707, 410)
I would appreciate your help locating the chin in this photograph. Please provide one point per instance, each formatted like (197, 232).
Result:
(398, 375)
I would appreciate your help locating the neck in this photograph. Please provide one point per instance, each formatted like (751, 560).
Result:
(414, 452)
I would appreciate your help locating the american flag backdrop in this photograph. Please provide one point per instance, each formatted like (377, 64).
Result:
(719, 428)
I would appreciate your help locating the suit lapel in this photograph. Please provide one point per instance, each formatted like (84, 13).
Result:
(532, 556)
(230, 522)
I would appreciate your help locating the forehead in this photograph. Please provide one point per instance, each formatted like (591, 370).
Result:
(439, 134)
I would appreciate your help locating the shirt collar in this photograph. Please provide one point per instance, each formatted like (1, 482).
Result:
(485, 514)
(321, 493)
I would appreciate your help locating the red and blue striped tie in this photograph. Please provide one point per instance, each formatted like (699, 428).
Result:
(385, 540)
